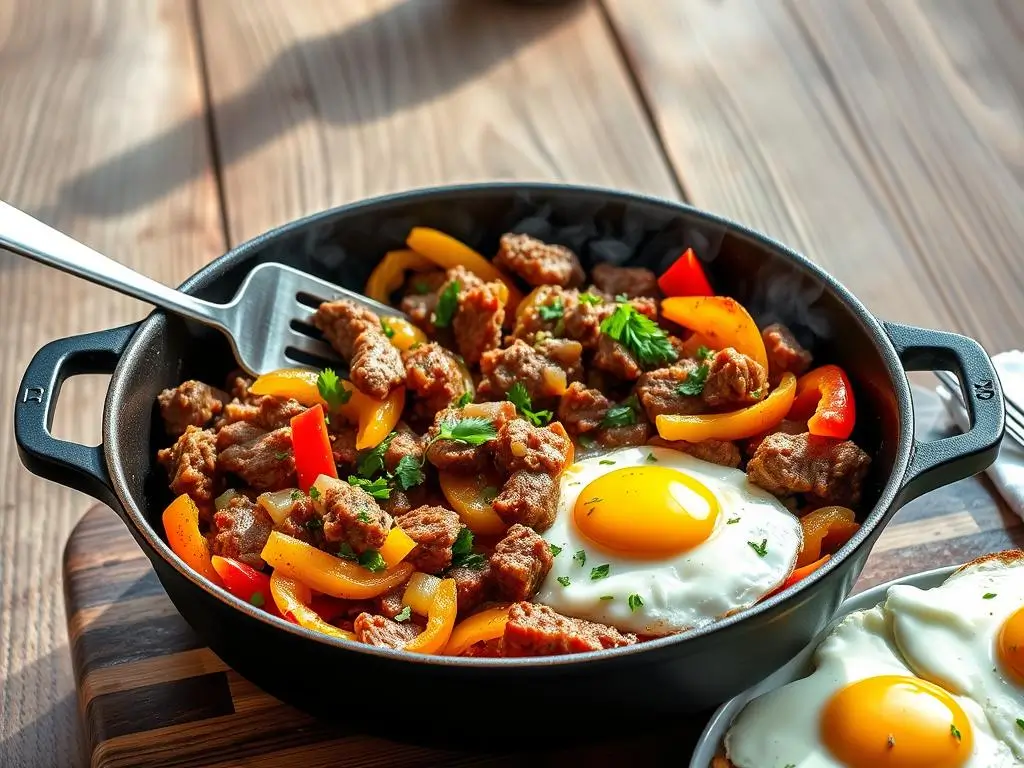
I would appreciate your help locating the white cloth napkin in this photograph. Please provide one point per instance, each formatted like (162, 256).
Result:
(1007, 472)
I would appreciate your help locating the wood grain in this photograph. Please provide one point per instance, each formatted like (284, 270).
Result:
(883, 139)
(83, 82)
(319, 102)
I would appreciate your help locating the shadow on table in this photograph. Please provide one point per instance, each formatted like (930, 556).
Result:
(431, 48)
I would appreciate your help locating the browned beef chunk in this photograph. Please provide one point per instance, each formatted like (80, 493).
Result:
(789, 426)
(459, 457)
(477, 323)
(785, 355)
(304, 522)
(659, 391)
(473, 586)
(632, 281)
(375, 366)
(829, 470)
(265, 464)
(544, 370)
(519, 563)
(528, 498)
(383, 632)
(238, 432)
(404, 443)
(352, 516)
(583, 318)
(343, 442)
(237, 384)
(538, 318)
(581, 409)
(191, 464)
(240, 531)
(721, 452)
(420, 310)
(434, 377)
(537, 262)
(390, 603)
(523, 447)
(536, 630)
(263, 411)
(192, 403)
(613, 357)
(734, 380)
(629, 434)
(434, 529)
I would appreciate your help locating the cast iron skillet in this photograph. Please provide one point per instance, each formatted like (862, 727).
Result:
(670, 675)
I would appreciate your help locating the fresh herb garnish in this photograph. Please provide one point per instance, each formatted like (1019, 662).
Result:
(296, 494)
(563, 580)
(761, 549)
(599, 572)
(520, 398)
(377, 488)
(464, 399)
(345, 551)
(606, 461)
(640, 335)
(694, 383)
(386, 327)
(1020, 723)
(489, 494)
(447, 303)
(732, 521)
(623, 414)
(955, 732)
(372, 462)
(590, 299)
(257, 599)
(606, 597)
(651, 459)
(580, 557)
(586, 441)
(635, 601)
(314, 492)
(408, 473)
(372, 561)
(404, 615)
(621, 297)
(988, 595)
(555, 550)
(331, 390)
(473, 430)
(281, 455)
(703, 353)
(552, 311)
(314, 524)
(463, 555)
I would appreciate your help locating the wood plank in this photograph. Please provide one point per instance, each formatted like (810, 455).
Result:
(883, 139)
(98, 100)
(318, 102)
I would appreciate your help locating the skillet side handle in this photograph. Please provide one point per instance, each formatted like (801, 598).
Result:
(77, 466)
(940, 462)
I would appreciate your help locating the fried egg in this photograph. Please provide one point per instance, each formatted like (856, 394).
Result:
(863, 707)
(967, 635)
(653, 541)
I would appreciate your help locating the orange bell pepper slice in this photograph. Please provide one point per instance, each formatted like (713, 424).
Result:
(734, 425)
(721, 320)
(374, 419)
(488, 624)
(328, 574)
(312, 447)
(447, 252)
(799, 574)
(824, 399)
(826, 528)
(396, 547)
(181, 525)
(293, 599)
(389, 274)
(402, 334)
(440, 620)
(470, 496)
(685, 277)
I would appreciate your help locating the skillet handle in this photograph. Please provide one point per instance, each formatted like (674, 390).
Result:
(81, 467)
(935, 463)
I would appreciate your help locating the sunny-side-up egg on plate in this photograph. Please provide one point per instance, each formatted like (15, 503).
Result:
(653, 541)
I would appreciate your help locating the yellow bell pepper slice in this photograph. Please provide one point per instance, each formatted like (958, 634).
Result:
(734, 425)
(329, 574)
(447, 252)
(374, 419)
(404, 335)
(388, 276)
(488, 624)
(292, 598)
(470, 496)
(440, 620)
(396, 547)
(723, 322)
(181, 525)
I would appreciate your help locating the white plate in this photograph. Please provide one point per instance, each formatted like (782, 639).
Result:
(714, 733)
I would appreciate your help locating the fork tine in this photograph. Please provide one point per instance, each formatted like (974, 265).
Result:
(310, 346)
(1014, 414)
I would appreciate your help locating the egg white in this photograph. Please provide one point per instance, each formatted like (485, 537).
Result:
(717, 577)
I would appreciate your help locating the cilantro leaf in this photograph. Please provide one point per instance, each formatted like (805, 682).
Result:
(606, 597)
(651, 459)
(955, 732)
(988, 595)
(463, 555)
(635, 601)
(1020, 723)
(555, 550)
(609, 462)
(314, 524)
(552, 311)
(590, 299)
(694, 383)
(463, 542)
(599, 572)
(464, 399)
(372, 462)
(296, 494)
(640, 335)
(386, 327)
(732, 521)
(345, 551)
(404, 615)
(377, 488)
(520, 398)
(314, 493)
(489, 493)
(580, 557)
(474, 430)
(372, 561)
(331, 390)
(281, 455)
(703, 353)
(563, 580)
(761, 549)
(408, 473)
(622, 415)
(447, 303)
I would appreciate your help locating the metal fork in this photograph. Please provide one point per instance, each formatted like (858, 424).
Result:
(267, 321)
(1014, 412)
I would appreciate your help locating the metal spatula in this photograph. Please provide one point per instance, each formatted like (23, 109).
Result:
(267, 322)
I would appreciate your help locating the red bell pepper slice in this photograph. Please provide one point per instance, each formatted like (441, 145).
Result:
(685, 277)
(824, 398)
(800, 574)
(245, 582)
(312, 447)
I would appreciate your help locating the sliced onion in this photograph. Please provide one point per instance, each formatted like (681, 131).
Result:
(278, 504)
(222, 501)
(419, 592)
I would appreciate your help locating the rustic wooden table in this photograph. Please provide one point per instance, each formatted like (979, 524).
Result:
(884, 139)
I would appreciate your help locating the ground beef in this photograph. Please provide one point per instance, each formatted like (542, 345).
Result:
(532, 325)
(789, 426)
(265, 464)
(519, 563)
(263, 411)
(473, 586)
(190, 404)
(434, 529)
(390, 603)
(375, 366)
(613, 357)
(343, 442)
(404, 443)
(477, 323)
(303, 522)
(536, 630)
(785, 355)
(539, 263)
(583, 320)
(237, 433)
(191, 464)
(352, 516)
(581, 409)
(528, 498)
(828, 470)
(630, 434)
(734, 380)
(523, 447)
(420, 310)
(240, 531)
(237, 384)
(434, 377)
(632, 281)
(659, 391)
(544, 370)
(383, 632)
(459, 457)
(721, 452)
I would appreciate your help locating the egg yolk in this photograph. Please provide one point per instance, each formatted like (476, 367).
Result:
(1010, 645)
(646, 512)
(897, 722)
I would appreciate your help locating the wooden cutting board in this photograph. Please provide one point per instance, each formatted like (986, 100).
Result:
(150, 694)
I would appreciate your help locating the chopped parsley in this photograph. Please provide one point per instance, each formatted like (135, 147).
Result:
(607, 597)
(378, 488)
(404, 615)
(447, 303)
(553, 311)
(599, 572)
(464, 399)
(1020, 723)
(635, 601)
(694, 383)
(489, 494)
(331, 390)
(257, 599)
(372, 462)
(345, 551)
(756, 394)
(563, 580)
(463, 555)
(281, 455)
(296, 494)
(363, 517)
(622, 415)
(703, 353)
(314, 492)
(988, 595)
(555, 550)
(621, 297)
(732, 521)
(651, 459)
(408, 473)
(580, 557)
(590, 299)
(761, 549)
(606, 461)
(520, 398)
(954, 732)
(372, 561)
(386, 327)
(648, 343)
(314, 524)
